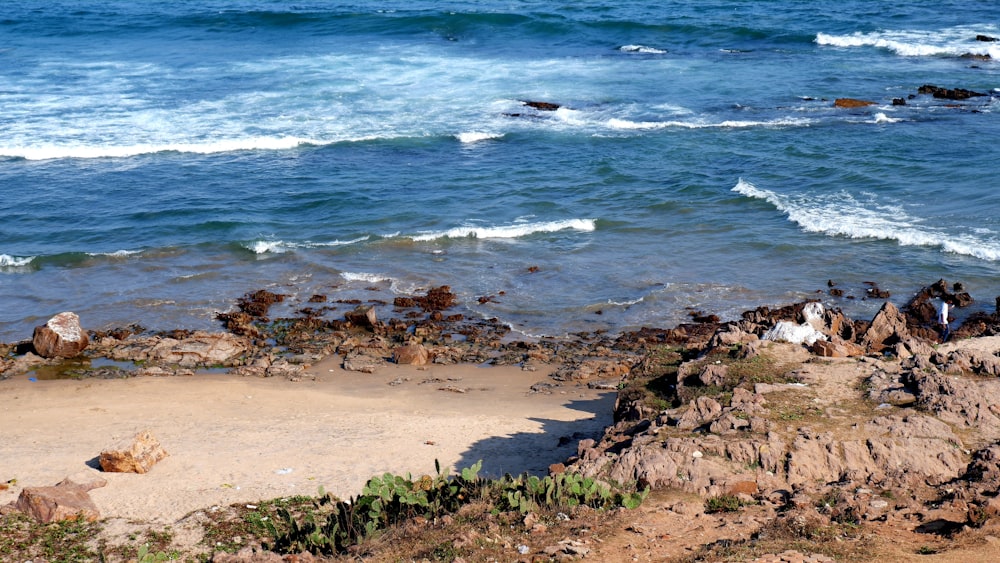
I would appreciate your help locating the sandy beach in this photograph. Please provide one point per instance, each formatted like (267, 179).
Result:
(236, 439)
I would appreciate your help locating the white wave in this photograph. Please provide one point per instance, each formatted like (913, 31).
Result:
(954, 41)
(508, 231)
(268, 246)
(624, 124)
(883, 118)
(840, 214)
(641, 49)
(627, 303)
(476, 136)
(49, 152)
(279, 246)
(116, 254)
(364, 277)
(8, 261)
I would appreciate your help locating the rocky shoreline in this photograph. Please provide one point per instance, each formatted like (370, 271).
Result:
(814, 417)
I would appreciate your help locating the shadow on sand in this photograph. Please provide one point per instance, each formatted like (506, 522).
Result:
(533, 452)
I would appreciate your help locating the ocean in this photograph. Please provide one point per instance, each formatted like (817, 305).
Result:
(160, 159)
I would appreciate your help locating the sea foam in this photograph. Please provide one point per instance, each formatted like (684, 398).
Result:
(624, 124)
(49, 152)
(280, 246)
(8, 261)
(641, 49)
(840, 214)
(508, 231)
(952, 41)
(476, 136)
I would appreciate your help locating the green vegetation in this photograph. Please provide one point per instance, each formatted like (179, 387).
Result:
(23, 539)
(724, 503)
(331, 526)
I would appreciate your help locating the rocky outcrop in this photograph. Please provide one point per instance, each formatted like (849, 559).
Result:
(363, 316)
(363, 363)
(956, 94)
(136, 455)
(411, 354)
(886, 329)
(67, 500)
(199, 349)
(61, 337)
(852, 103)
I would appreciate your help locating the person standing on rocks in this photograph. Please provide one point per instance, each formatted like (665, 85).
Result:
(943, 321)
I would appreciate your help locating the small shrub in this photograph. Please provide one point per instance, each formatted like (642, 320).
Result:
(723, 503)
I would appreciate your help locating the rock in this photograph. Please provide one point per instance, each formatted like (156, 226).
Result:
(948, 93)
(543, 106)
(852, 103)
(137, 455)
(713, 374)
(197, 349)
(702, 410)
(437, 299)
(887, 328)
(985, 38)
(363, 363)
(256, 304)
(65, 501)
(362, 316)
(828, 349)
(60, 337)
(411, 354)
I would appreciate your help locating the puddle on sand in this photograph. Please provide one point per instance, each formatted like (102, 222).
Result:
(83, 368)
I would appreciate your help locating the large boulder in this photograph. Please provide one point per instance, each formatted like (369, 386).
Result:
(61, 337)
(136, 455)
(887, 328)
(67, 500)
(411, 354)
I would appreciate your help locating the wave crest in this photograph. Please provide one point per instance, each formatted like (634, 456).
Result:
(954, 42)
(840, 214)
(8, 261)
(509, 231)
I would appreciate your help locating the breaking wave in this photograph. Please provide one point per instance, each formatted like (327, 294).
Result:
(840, 214)
(508, 231)
(954, 41)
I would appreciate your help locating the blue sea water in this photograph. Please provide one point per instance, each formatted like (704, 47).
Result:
(160, 159)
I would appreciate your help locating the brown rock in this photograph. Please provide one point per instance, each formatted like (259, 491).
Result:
(137, 455)
(948, 93)
(65, 501)
(713, 374)
(198, 348)
(887, 328)
(701, 410)
(411, 354)
(361, 362)
(60, 337)
(362, 316)
(851, 103)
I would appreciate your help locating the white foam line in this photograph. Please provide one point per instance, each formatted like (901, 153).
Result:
(508, 231)
(846, 217)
